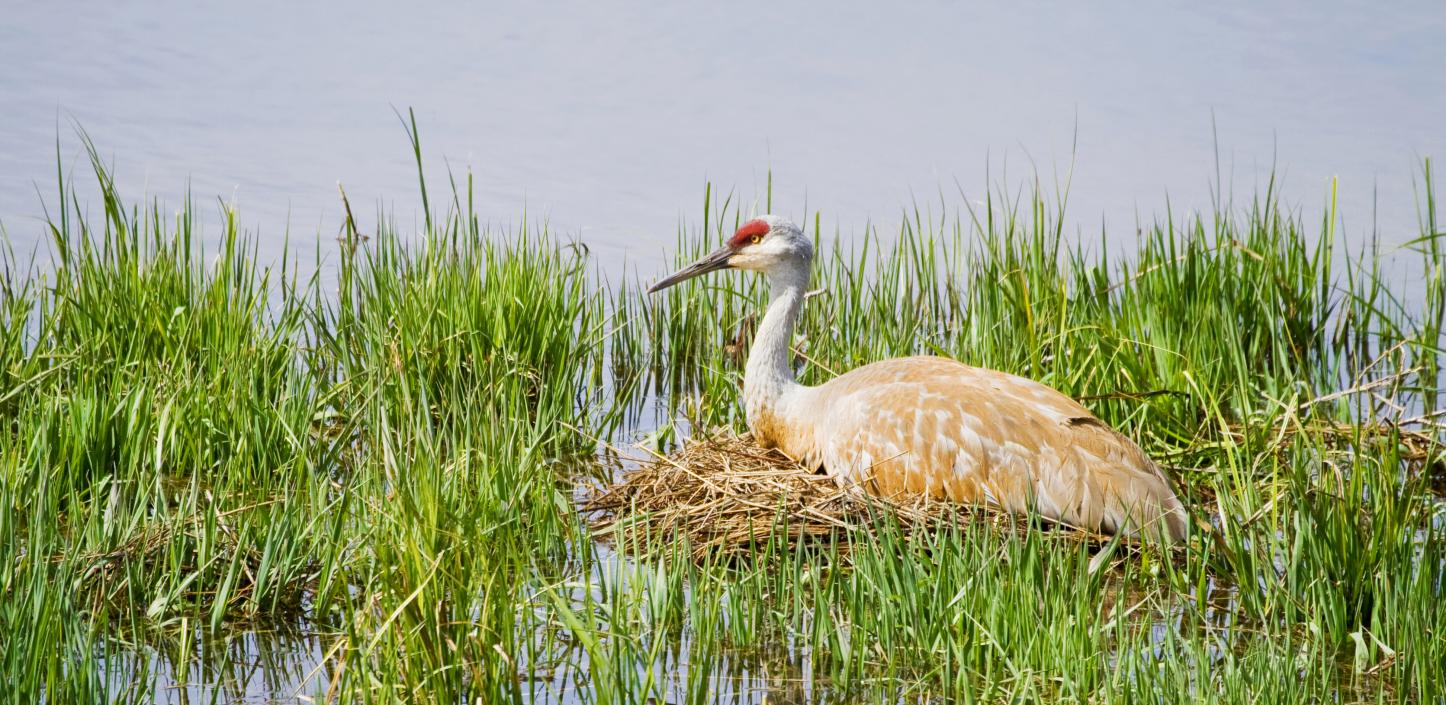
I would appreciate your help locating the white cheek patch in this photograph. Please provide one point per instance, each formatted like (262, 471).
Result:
(746, 260)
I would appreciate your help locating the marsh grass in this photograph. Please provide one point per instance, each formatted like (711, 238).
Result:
(192, 445)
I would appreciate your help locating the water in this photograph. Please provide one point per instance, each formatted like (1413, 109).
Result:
(607, 120)
(261, 666)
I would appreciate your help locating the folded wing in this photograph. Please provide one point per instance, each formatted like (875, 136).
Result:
(929, 425)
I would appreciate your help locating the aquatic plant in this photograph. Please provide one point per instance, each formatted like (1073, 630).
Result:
(194, 446)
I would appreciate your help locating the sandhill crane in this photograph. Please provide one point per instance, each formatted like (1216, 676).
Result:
(931, 425)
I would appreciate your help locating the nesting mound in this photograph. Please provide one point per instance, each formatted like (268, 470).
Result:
(727, 496)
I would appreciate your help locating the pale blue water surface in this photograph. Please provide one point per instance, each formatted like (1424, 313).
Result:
(606, 119)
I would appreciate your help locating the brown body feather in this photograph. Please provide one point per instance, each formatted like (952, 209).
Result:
(934, 426)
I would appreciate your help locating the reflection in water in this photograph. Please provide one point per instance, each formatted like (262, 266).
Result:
(275, 664)
(285, 663)
(777, 677)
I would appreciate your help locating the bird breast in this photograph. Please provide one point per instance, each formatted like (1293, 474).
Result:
(936, 427)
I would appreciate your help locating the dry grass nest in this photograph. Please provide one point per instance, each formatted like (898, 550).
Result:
(728, 496)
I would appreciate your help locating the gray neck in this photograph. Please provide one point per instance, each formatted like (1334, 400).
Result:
(769, 373)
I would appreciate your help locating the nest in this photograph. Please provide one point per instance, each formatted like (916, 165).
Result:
(727, 496)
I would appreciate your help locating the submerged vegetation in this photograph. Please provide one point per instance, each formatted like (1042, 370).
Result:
(197, 452)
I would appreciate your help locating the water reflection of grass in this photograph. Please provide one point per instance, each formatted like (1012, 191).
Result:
(193, 445)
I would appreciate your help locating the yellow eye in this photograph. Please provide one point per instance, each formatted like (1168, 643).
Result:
(756, 239)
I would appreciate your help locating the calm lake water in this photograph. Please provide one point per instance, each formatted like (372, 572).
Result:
(607, 120)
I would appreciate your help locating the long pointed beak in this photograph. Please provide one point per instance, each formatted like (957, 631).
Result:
(712, 262)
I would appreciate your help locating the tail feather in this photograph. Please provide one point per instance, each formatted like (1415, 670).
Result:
(1120, 492)
(1143, 505)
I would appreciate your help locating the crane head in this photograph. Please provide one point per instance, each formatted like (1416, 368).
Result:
(766, 244)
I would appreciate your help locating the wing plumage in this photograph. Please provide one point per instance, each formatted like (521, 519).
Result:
(934, 426)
